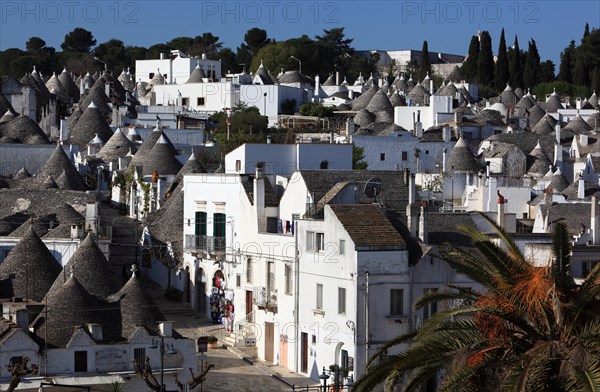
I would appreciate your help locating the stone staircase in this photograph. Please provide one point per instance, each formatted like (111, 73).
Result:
(243, 339)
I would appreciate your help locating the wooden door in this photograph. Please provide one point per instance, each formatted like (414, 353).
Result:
(283, 351)
(269, 341)
(304, 353)
(249, 305)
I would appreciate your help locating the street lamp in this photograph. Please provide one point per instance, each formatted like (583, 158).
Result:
(164, 348)
(324, 377)
(100, 61)
(299, 64)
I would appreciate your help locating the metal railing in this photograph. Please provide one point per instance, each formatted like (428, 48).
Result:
(244, 327)
(209, 244)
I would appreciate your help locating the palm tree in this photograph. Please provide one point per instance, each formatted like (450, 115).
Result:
(532, 329)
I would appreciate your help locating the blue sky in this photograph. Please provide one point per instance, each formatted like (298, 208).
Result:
(390, 25)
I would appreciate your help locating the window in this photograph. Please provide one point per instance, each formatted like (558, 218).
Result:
(288, 279)
(310, 240)
(185, 101)
(319, 296)
(320, 242)
(272, 224)
(270, 277)
(139, 356)
(342, 247)
(200, 229)
(238, 280)
(396, 305)
(426, 152)
(314, 339)
(341, 300)
(405, 155)
(382, 156)
(80, 359)
(200, 102)
(238, 165)
(150, 75)
(219, 231)
(15, 360)
(249, 269)
(324, 165)
(431, 308)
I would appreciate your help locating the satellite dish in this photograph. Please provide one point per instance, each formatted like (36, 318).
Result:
(373, 188)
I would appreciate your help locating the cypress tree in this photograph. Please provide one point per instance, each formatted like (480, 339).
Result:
(485, 62)
(565, 71)
(501, 76)
(516, 70)
(425, 63)
(532, 65)
(469, 68)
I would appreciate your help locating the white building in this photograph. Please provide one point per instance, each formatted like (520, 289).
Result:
(175, 67)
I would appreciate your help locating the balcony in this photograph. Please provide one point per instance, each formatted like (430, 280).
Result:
(264, 298)
(204, 245)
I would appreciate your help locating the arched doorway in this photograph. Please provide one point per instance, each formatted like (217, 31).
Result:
(201, 291)
(217, 296)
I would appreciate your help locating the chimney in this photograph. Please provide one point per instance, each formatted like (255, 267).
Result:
(558, 152)
(444, 159)
(22, 319)
(259, 197)
(423, 226)
(350, 94)
(162, 56)
(557, 129)
(595, 221)
(107, 90)
(500, 215)
(431, 86)
(331, 137)
(581, 188)
(337, 78)
(268, 139)
(406, 176)
(548, 192)
(166, 329)
(317, 85)
(77, 231)
(578, 103)
(411, 208)
(96, 331)
(447, 133)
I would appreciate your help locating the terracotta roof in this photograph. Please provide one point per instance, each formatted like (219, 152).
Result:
(29, 269)
(368, 227)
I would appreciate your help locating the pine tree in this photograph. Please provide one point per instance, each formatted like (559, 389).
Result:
(565, 71)
(501, 76)
(425, 63)
(469, 68)
(516, 69)
(596, 80)
(532, 65)
(586, 32)
(485, 62)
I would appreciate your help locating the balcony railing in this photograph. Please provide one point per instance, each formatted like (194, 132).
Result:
(205, 243)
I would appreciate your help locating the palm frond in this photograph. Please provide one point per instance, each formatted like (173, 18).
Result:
(442, 295)
(392, 343)
(561, 264)
(456, 380)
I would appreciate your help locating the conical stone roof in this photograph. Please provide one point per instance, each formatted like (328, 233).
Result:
(537, 162)
(24, 130)
(380, 102)
(71, 307)
(594, 121)
(559, 183)
(161, 159)
(197, 75)
(58, 163)
(118, 146)
(364, 100)
(67, 81)
(49, 183)
(33, 266)
(577, 125)
(91, 269)
(21, 174)
(397, 100)
(147, 146)
(138, 309)
(461, 159)
(364, 117)
(90, 123)
(553, 103)
(535, 115)
(100, 100)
